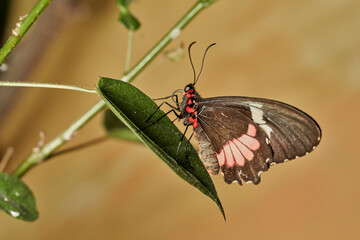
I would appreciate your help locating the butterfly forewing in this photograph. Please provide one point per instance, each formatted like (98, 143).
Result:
(248, 134)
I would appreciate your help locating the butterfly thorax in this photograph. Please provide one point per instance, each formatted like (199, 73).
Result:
(190, 106)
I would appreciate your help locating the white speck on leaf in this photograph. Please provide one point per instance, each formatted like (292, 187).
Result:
(14, 213)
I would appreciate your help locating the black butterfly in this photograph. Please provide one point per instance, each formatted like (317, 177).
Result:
(244, 136)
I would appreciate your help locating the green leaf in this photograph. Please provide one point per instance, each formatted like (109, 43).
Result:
(116, 128)
(126, 18)
(16, 199)
(133, 107)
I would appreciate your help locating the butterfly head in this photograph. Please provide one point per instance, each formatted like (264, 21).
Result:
(189, 88)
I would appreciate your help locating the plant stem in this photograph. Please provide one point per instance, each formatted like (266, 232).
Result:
(45, 85)
(80, 146)
(47, 149)
(129, 50)
(165, 40)
(21, 28)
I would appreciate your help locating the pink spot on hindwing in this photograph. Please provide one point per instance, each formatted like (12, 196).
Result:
(221, 157)
(239, 159)
(251, 130)
(239, 149)
(246, 152)
(249, 142)
(230, 161)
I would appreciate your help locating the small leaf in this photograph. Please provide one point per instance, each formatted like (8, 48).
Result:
(126, 18)
(116, 128)
(133, 107)
(16, 199)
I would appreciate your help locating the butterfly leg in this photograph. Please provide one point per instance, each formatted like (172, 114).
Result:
(181, 139)
(157, 120)
(176, 101)
(187, 163)
(163, 98)
(186, 146)
(158, 108)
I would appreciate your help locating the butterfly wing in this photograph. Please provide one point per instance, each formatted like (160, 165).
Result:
(249, 134)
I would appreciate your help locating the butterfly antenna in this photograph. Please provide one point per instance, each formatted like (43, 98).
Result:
(191, 62)
(202, 64)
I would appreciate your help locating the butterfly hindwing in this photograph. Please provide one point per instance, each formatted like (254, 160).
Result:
(240, 144)
(282, 132)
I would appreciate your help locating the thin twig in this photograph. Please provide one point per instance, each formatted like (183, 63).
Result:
(46, 85)
(37, 157)
(129, 50)
(5, 159)
(80, 146)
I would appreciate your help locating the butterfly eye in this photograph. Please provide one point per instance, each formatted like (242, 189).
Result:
(188, 87)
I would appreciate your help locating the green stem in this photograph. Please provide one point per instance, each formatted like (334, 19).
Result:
(129, 50)
(45, 85)
(169, 36)
(21, 28)
(45, 151)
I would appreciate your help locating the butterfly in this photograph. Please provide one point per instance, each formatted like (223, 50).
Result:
(243, 136)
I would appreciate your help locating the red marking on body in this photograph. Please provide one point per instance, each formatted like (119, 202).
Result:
(189, 101)
(189, 109)
(221, 157)
(193, 121)
(190, 91)
(251, 130)
(189, 95)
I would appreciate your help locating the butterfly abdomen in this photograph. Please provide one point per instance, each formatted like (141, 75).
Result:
(207, 153)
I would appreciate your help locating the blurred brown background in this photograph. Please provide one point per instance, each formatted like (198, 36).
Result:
(305, 53)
